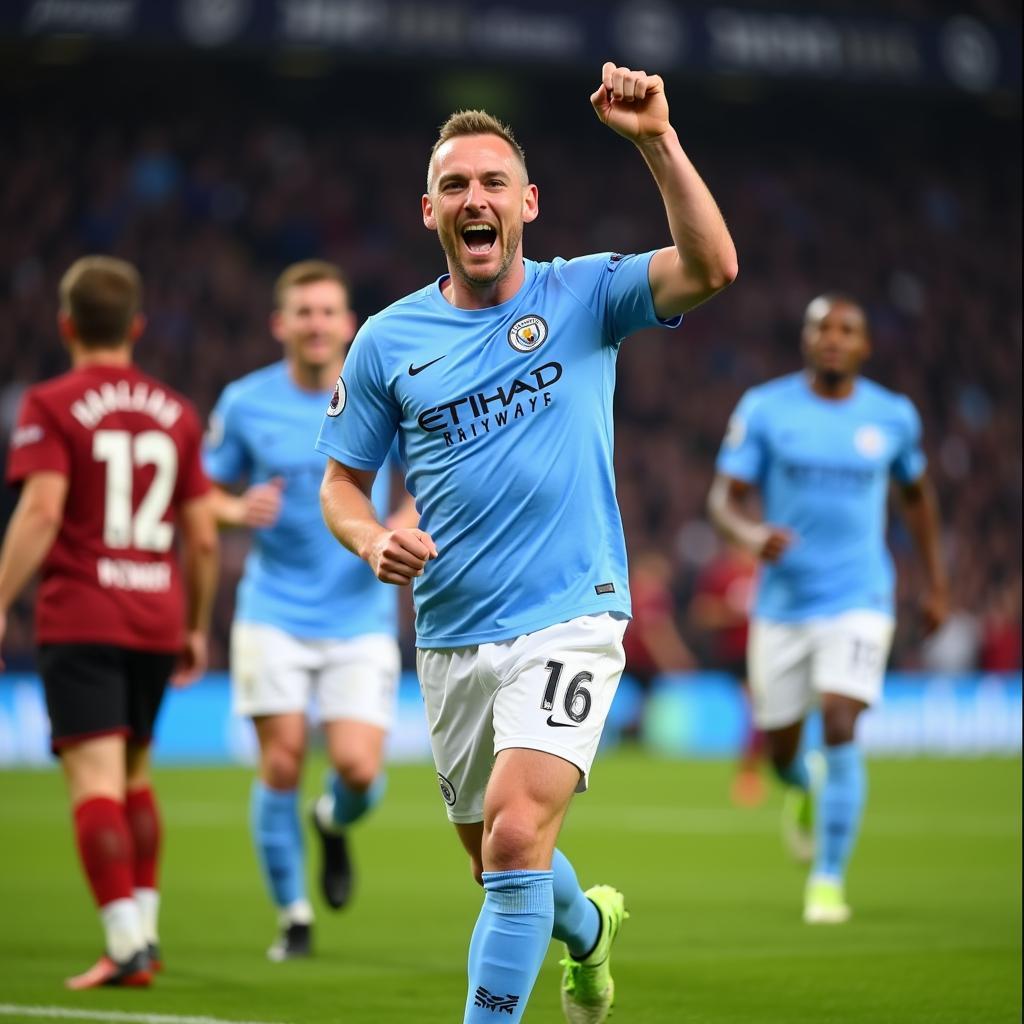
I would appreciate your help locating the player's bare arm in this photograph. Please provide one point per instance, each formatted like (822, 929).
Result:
(30, 535)
(921, 513)
(405, 516)
(702, 260)
(257, 507)
(200, 562)
(395, 555)
(725, 510)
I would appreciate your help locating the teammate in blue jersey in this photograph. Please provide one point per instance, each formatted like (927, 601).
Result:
(309, 616)
(497, 380)
(821, 447)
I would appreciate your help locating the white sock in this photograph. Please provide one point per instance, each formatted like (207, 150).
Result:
(299, 912)
(123, 927)
(148, 902)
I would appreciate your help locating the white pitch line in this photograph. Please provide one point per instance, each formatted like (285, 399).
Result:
(69, 1013)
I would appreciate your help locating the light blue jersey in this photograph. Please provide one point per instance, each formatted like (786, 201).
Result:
(504, 418)
(297, 576)
(823, 469)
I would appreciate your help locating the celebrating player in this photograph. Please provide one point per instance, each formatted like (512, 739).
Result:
(109, 466)
(498, 380)
(308, 614)
(821, 447)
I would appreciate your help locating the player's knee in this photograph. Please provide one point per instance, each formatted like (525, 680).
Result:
(511, 842)
(281, 767)
(357, 773)
(839, 728)
(839, 723)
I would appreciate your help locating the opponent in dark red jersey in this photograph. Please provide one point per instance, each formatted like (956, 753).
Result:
(108, 463)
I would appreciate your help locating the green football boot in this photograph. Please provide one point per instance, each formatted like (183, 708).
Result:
(825, 902)
(588, 991)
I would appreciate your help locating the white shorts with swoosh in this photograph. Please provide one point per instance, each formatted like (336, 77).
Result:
(549, 690)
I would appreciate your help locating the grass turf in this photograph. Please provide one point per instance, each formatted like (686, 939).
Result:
(715, 933)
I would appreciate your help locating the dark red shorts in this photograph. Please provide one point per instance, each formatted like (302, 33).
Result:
(101, 690)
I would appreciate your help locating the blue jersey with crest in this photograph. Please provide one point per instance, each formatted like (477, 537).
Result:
(823, 469)
(297, 576)
(504, 419)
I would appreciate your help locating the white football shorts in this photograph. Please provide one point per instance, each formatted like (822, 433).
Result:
(791, 664)
(273, 673)
(549, 690)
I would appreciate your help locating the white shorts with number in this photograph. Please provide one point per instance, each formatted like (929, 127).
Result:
(549, 690)
(273, 673)
(791, 663)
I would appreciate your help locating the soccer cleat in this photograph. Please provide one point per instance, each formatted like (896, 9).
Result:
(588, 991)
(798, 824)
(824, 902)
(294, 942)
(335, 865)
(132, 973)
(156, 964)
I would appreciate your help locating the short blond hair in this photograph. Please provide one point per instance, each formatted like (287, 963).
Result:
(475, 122)
(307, 272)
(101, 295)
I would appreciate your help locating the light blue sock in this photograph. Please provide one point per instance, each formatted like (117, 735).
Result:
(508, 945)
(577, 922)
(349, 806)
(839, 808)
(795, 773)
(277, 835)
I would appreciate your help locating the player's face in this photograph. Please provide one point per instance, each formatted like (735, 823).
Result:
(314, 323)
(835, 339)
(478, 203)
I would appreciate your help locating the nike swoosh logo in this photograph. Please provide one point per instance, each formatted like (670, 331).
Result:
(562, 725)
(413, 370)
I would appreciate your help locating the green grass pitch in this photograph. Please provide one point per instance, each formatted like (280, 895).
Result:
(715, 933)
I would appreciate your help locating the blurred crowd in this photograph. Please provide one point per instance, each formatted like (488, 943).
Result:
(211, 204)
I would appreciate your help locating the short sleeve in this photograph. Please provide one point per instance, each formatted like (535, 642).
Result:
(394, 456)
(37, 445)
(618, 289)
(743, 453)
(362, 417)
(909, 463)
(224, 452)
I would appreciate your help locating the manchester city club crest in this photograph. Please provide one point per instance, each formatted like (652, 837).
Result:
(869, 441)
(337, 402)
(447, 790)
(528, 333)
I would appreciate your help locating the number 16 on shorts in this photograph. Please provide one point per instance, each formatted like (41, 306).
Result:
(576, 701)
(549, 690)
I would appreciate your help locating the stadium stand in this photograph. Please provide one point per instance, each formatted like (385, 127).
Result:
(912, 206)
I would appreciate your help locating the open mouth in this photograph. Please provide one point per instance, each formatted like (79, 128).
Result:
(479, 238)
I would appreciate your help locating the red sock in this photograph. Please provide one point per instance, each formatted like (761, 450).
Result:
(144, 822)
(105, 848)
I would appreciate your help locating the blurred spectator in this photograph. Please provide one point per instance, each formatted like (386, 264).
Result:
(213, 187)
